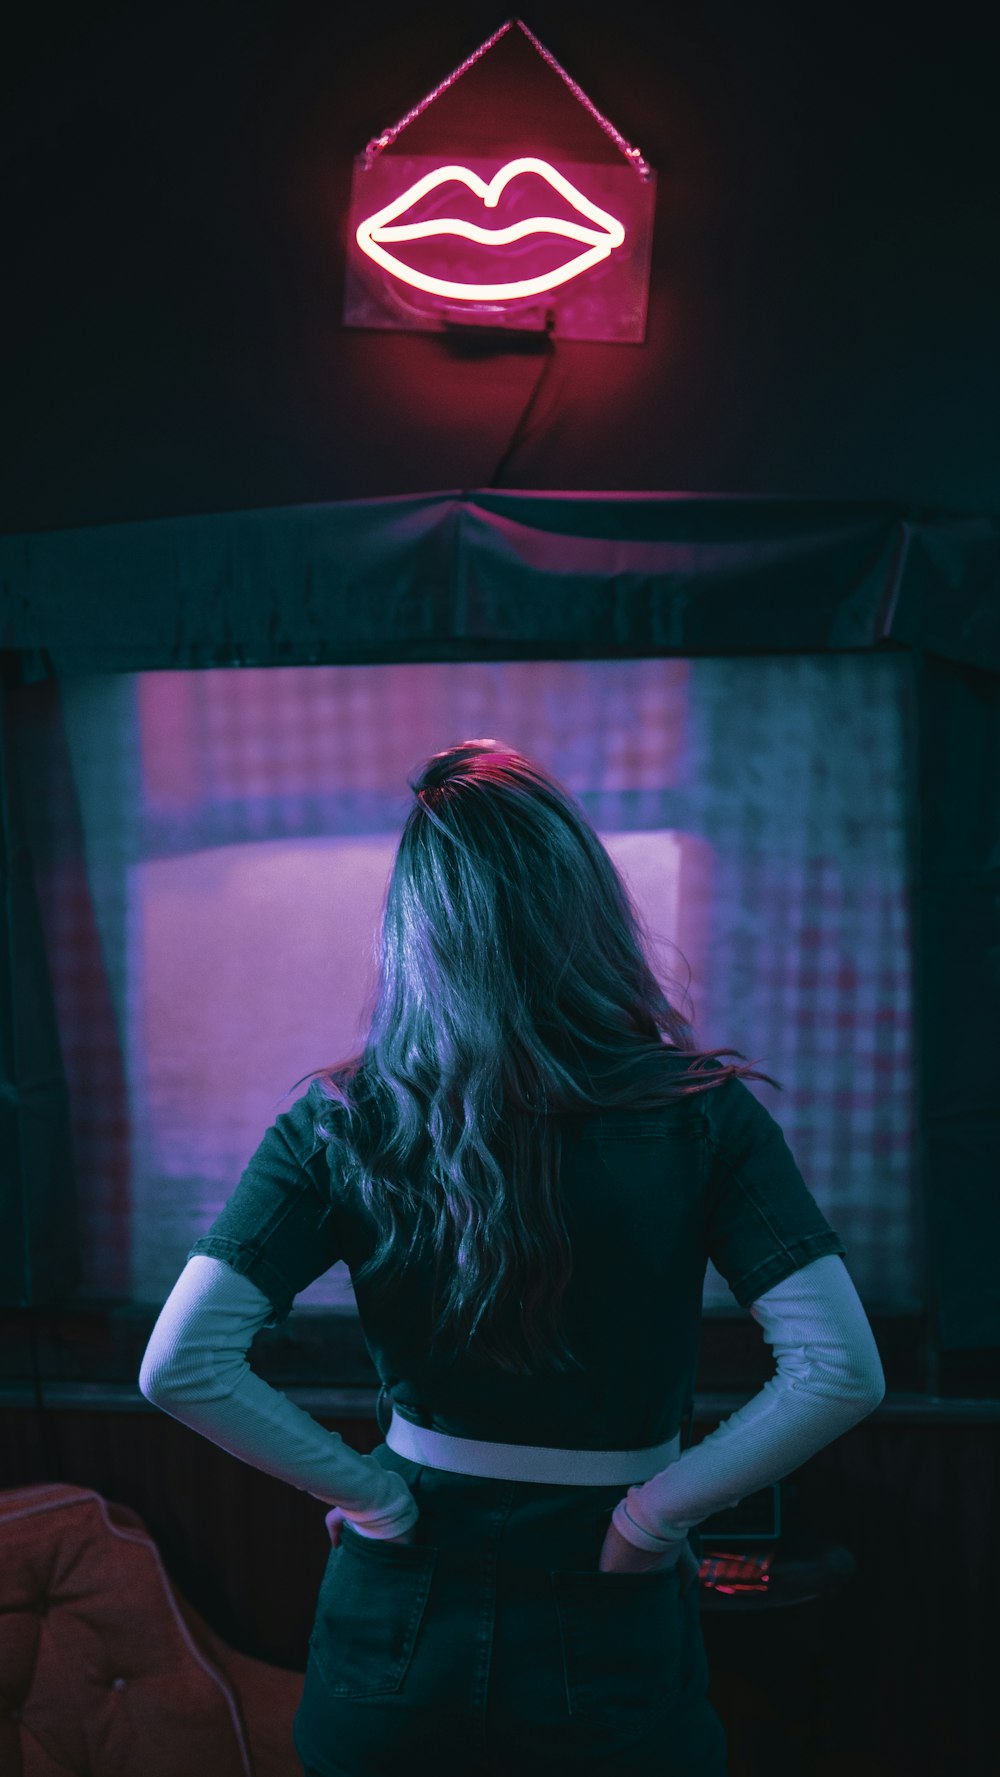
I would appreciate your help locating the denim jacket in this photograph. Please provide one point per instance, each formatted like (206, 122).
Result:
(649, 1196)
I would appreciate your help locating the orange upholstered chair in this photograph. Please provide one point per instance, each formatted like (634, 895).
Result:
(104, 1666)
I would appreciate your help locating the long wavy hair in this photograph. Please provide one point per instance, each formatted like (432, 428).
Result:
(511, 984)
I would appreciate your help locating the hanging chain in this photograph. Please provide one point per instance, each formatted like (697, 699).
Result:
(387, 137)
(641, 166)
(377, 143)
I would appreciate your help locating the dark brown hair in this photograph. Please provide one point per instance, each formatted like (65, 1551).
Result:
(512, 984)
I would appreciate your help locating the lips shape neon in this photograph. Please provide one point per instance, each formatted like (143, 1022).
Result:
(602, 239)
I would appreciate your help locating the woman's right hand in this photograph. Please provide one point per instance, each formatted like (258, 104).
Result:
(618, 1555)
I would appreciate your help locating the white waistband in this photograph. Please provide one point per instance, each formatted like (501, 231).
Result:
(528, 1462)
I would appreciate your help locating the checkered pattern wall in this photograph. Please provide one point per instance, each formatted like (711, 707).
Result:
(211, 849)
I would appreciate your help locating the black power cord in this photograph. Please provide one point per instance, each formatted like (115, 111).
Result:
(546, 345)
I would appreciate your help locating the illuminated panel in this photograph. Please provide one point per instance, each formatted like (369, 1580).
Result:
(240, 978)
(510, 239)
(601, 237)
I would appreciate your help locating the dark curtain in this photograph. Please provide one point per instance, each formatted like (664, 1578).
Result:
(39, 1235)
(500, 575)
(957, 973)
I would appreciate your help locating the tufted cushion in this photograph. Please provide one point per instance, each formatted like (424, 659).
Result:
(104, 1667)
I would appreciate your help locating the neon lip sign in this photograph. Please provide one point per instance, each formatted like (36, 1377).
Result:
(601, 239)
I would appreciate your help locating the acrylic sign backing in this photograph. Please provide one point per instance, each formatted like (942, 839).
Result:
(445, 239)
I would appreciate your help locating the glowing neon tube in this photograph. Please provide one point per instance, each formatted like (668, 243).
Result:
(602, 238)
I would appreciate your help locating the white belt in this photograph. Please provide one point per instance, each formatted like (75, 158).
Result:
(528, 1462)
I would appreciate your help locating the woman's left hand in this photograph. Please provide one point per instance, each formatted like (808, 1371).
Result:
(335, 1518)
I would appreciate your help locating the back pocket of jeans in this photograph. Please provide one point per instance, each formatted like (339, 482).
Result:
(368, 1615)
(626, 1645)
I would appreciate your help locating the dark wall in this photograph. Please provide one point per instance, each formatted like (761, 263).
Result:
(825, 294)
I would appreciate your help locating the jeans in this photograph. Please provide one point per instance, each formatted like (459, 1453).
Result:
(493, 1647)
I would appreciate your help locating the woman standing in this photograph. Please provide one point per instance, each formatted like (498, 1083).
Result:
(526, 1169)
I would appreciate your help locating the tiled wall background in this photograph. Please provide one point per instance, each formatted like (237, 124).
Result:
(211, 850)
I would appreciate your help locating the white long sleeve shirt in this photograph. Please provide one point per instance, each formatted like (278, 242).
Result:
(829, 1376)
